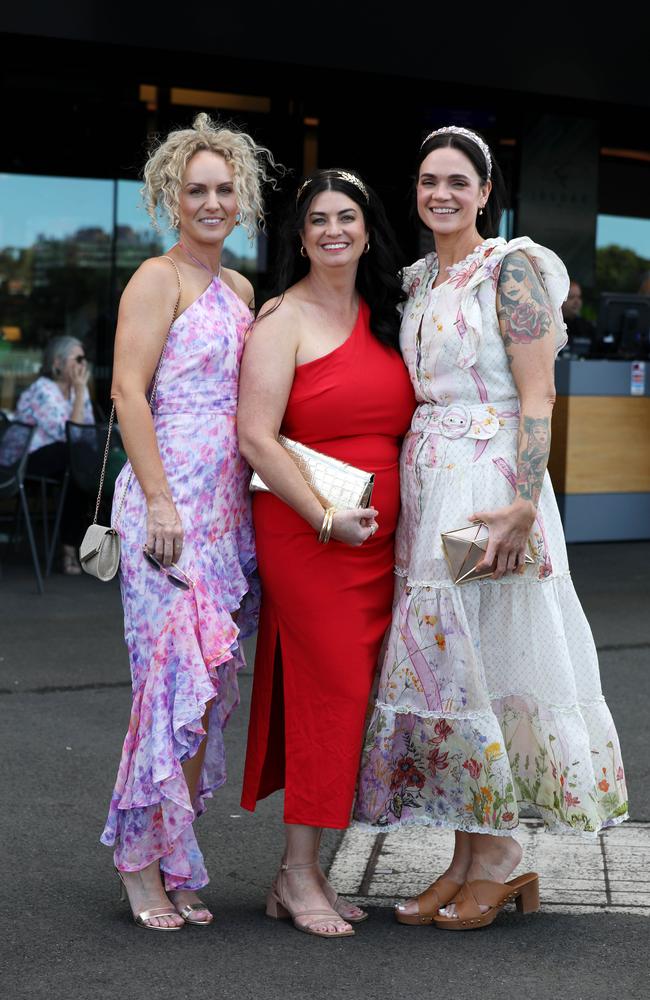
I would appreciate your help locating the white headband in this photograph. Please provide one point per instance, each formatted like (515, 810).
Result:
(456, 130)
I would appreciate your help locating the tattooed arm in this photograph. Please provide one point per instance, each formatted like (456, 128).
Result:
(528, 330)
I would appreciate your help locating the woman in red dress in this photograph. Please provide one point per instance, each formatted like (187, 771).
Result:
(323, 367)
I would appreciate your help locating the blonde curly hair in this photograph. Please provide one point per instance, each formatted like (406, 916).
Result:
(252, 168)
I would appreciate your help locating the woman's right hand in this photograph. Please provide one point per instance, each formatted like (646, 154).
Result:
(164, 530)
(79, 375)
(356, 526)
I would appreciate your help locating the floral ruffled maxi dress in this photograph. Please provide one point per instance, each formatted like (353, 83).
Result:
(489, 694)
(184, 645)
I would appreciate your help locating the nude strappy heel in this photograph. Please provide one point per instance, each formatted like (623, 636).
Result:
(142, 918)
(340, 904)
(277, 908)
(524, 890)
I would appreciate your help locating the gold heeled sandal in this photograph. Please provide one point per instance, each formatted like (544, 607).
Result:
(186, 911)
(144, 916)
(278, 908)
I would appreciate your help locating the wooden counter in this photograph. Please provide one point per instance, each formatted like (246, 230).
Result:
(600, 451)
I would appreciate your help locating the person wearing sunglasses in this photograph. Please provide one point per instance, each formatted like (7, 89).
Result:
(182, 509)
(489, 696)
(59, 394)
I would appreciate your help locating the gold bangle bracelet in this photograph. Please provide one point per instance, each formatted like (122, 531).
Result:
(321, 533)
(330, 524)
(326, 527)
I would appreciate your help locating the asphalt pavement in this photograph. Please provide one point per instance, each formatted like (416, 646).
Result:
(64, 707)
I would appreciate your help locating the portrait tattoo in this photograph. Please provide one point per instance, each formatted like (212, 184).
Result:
(532, 458)
(522, 306)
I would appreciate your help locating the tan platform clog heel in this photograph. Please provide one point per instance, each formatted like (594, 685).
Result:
(524, 890)
(441, 892)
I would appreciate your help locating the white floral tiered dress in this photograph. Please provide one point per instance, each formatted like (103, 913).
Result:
(489, 694)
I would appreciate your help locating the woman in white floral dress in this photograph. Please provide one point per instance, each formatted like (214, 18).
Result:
(489, 695)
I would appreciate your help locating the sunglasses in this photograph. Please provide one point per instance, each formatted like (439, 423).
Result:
(517, 274)
(177, 578)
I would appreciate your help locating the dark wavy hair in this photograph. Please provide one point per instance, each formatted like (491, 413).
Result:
(379, 271)
(488, 223)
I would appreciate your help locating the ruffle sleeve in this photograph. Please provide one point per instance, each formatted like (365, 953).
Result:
(469, 321)
(412, 272)
(412, 277)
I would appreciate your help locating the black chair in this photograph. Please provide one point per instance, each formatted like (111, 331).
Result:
(86, 444)
(44, 482)
(15, 438)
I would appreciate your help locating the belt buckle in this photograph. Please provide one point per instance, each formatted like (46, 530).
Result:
(455, 421)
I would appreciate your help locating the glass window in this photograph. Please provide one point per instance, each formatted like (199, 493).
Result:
(55, 257)
(623, 254)
(507, 224)
(68, 246)
(136, 239)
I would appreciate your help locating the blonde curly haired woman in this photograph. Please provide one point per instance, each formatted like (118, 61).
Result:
(182, 510)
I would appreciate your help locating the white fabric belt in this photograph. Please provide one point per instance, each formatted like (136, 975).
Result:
(481, 421)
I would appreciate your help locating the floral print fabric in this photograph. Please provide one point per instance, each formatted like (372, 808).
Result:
(184, 645)
(44, 406)
(489, 694)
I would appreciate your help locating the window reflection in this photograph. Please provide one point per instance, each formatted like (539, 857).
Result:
(55, 258)
(622, 254)
(68, 246)
(136, 239)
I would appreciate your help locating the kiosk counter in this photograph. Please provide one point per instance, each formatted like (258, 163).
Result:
(600, 449)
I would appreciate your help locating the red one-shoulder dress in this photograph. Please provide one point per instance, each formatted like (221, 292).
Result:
(325, 608)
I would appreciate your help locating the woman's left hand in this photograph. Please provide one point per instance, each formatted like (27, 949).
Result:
(509, 529)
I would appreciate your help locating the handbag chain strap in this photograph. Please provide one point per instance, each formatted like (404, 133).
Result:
(152, 399)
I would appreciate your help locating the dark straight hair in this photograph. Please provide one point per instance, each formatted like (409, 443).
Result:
(379, 270)
(488, 223)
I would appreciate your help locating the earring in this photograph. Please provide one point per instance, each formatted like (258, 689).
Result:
(238, 220)
(480, 211)
(367, 246)
(303, 252)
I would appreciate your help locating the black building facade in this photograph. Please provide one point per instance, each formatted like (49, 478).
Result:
(84, 89)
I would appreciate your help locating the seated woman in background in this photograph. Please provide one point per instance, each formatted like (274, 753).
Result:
(59, 394)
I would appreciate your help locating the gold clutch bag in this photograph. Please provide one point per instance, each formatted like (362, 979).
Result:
(335, 483)
(464, 548)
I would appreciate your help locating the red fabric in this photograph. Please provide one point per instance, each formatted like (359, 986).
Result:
(325, 608)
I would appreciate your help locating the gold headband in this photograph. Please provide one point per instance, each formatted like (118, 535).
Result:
(344, 175)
